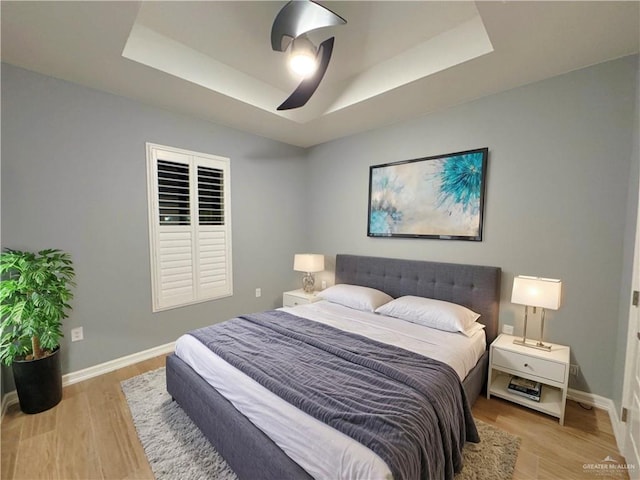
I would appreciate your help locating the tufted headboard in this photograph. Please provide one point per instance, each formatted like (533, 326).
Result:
(476, 287)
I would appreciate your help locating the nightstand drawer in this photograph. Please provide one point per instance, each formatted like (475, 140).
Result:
(298, 297)
(291, 301)
(526, 364)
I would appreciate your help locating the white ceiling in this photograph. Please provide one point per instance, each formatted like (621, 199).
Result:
(392, 61)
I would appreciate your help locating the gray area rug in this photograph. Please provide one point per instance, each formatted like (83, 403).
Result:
(176, 449)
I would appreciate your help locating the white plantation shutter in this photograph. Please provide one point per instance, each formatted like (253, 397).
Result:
(189, 225)
(175, 268)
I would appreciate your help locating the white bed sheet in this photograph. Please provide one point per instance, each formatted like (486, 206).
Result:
(322, 451)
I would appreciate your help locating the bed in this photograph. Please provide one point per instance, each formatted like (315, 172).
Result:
(250, 452)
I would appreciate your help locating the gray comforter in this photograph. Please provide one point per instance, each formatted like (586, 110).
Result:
(410, 410)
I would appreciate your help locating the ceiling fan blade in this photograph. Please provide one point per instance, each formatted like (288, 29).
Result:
(308, 86)
(298, 17)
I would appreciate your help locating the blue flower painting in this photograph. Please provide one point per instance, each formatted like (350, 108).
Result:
(435, 197)
(384, 214)
(461, 182)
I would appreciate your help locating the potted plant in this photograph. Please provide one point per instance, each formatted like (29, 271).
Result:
(34, 296)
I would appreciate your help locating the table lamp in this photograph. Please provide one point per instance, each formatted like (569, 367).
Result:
(308, 263)
(535, 292)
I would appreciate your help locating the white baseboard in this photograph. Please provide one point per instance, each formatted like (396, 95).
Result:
(11, 397)
(110, 366)
(603, 403)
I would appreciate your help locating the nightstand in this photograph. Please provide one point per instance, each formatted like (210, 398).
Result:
(551, 369)
(298, 297)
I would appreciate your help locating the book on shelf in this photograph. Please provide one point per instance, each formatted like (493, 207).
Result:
(526, 388)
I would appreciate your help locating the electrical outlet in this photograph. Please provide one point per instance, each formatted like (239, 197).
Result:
(258, 292)
(77, 334)
(508, 329)
(324, 284)
(573, 370)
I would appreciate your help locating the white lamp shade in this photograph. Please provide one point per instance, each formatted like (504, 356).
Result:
(537, 292)
(308, 262)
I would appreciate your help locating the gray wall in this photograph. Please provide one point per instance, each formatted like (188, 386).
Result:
(556, 198)
(74, 178)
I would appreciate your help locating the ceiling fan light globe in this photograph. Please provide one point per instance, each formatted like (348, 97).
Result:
(303, 65)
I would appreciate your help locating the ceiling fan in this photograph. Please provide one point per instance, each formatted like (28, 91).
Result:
(290, 28)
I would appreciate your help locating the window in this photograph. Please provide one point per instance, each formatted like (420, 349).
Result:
(189, 226)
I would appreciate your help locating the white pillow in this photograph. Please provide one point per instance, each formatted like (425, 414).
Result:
(446, 316)
(353, 296)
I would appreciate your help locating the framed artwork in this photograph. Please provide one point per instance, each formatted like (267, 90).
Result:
(434, 197)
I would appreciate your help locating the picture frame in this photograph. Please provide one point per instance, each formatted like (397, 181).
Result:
(440, 197)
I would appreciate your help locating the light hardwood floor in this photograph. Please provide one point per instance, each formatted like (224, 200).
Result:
(90, 435)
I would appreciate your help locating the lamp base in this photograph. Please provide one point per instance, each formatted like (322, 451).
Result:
(308, 282)
(539, 345)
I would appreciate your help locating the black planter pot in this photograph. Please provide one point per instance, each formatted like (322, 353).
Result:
(38, 382)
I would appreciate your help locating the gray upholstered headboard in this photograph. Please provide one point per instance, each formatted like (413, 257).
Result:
(475, 287)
